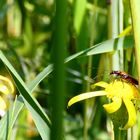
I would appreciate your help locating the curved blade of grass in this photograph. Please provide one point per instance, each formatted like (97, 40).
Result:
(8, 121)
(40, 77)
(112, 45)
(39, 116)
(106, 46)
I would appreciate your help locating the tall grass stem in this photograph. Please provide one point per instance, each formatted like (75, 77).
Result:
(58, 81)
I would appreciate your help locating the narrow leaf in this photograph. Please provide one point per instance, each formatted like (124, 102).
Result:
(38, 114)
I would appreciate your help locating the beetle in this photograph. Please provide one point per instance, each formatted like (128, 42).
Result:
(125, 76)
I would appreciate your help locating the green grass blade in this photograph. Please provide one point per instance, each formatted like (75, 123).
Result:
(40, 77)
(79, 12)
(112, 45)
(104, 47)
(9, 119)
(38, 114)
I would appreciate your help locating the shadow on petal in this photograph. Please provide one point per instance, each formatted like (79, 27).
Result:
(114, 106)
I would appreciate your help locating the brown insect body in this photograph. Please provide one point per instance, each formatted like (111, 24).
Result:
(125, 77)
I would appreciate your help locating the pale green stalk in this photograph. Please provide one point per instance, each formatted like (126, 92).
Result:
(115, 26)
(89, 103)
(135, 11)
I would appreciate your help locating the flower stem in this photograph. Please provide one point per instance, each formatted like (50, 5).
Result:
(119, 134)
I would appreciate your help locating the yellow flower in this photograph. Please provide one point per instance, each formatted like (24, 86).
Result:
(6, 88)
(121, 94)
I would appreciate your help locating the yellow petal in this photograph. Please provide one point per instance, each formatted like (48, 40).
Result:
(6, 86)
(86, 96)
(114, 106)
(2, 104)
(131, 114)
(100, 84)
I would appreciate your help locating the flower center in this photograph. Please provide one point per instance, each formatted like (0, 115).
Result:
(122, 89)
